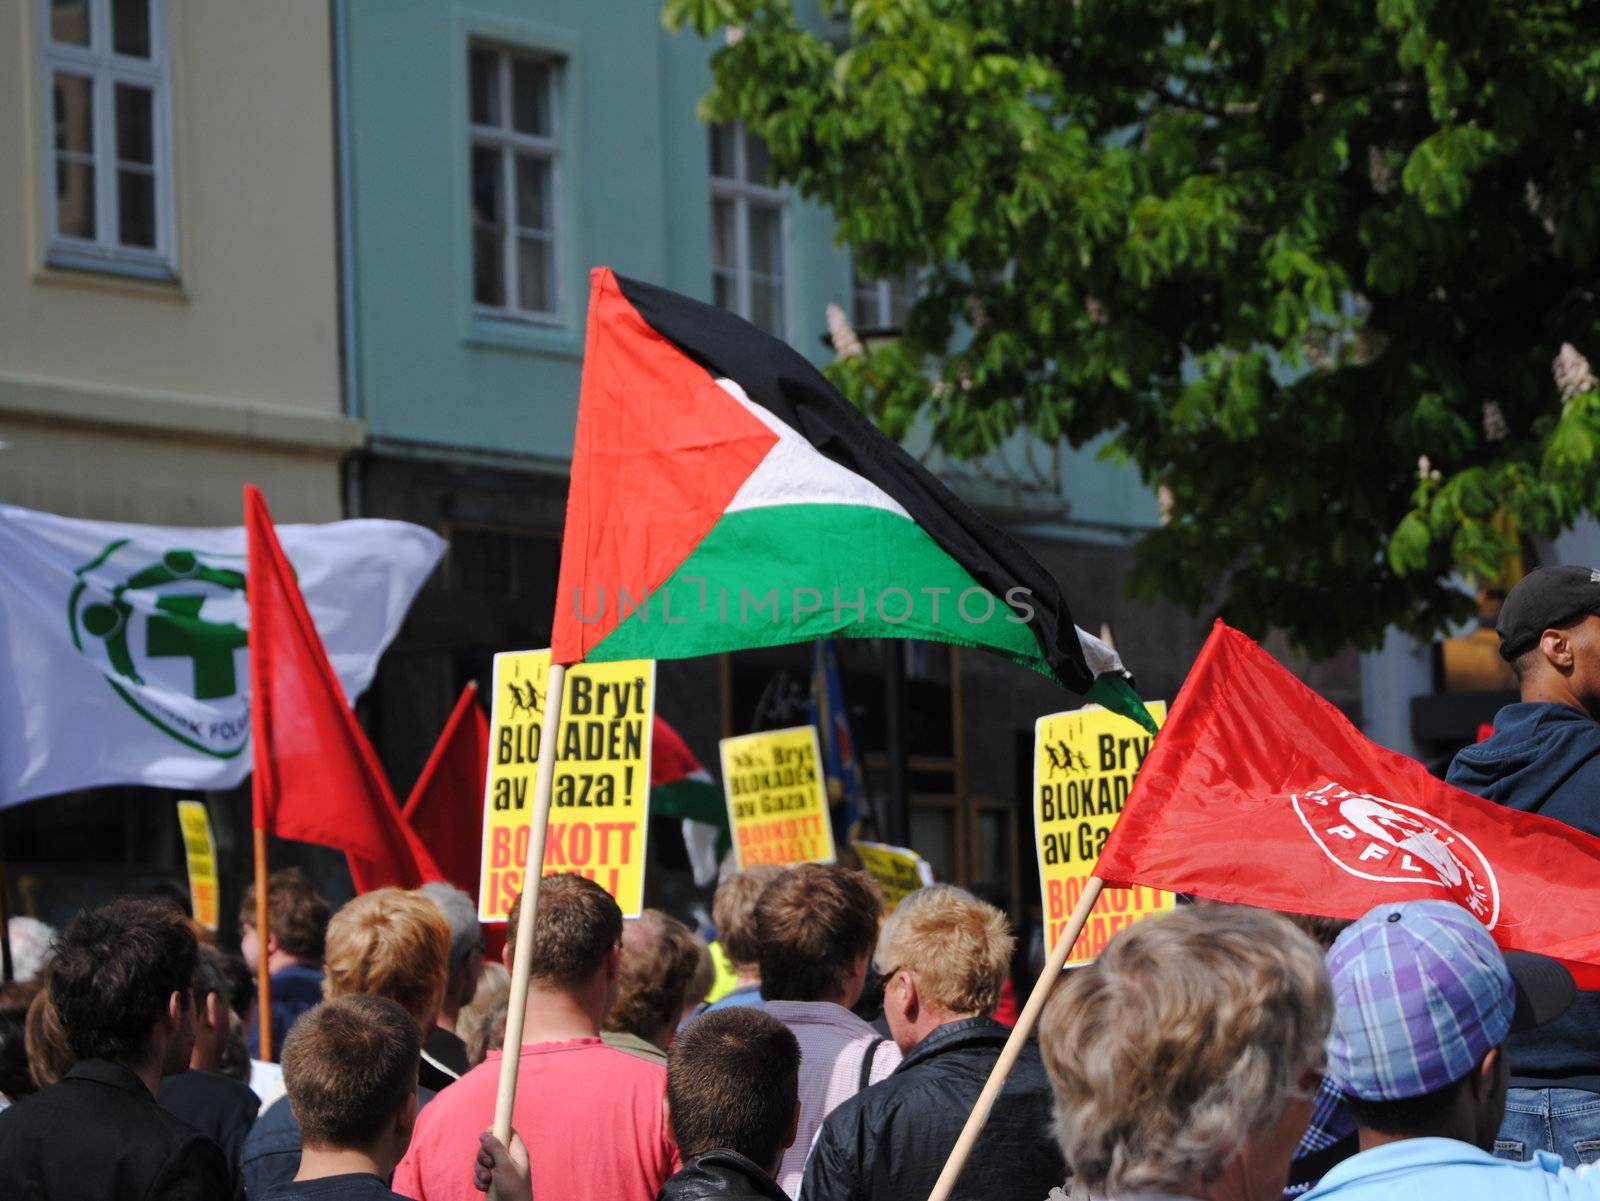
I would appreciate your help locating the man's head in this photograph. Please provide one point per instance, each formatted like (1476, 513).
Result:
(733, 912)
(121, 982)
(943, 955)
(392, 944)
(660, 959)
(1423, 1001)
(576, 935)
(297, 918)
(710, 1099)
(466, 941)
(817, 924)
(350, 1069)
(1550, 634)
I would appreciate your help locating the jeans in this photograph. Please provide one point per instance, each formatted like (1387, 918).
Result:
(1565, 1121)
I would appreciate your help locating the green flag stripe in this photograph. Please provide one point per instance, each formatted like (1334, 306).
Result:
(790, 573)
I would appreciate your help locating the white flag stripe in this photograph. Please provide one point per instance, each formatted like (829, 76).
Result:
(125, 644)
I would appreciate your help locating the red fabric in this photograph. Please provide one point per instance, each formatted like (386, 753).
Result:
(659, 452)
(1008, 1010)
(671, 759)
(317, 778)
(1258, 791)
(590, 1116)
(446, 806)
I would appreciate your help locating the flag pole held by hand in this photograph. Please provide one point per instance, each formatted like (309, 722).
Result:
(522, 940)
(1013, 1048)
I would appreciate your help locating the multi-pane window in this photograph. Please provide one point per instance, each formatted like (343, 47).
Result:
(883, 303)
(514, 119)
(109, 135)
(747, 219)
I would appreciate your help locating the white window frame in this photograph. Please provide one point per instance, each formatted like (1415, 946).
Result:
(742, 194)
(105, 70)
(883, 299)
(509, 142)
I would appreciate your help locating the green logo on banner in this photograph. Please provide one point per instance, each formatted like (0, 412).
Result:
(165, 629)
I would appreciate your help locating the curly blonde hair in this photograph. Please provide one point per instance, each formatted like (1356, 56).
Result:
(1180, 1044)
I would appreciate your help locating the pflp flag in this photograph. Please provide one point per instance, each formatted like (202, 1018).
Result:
(125, 644)
(445, 807)
(1259, 792)
(724, 495)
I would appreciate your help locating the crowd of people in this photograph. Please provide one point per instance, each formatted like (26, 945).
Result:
(1213, 1053)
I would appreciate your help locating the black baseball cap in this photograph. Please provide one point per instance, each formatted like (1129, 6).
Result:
(1547, 598)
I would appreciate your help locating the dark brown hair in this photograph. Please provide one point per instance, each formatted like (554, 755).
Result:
(348, 1066)
(113, 971)
(733, 1081)
(296, 912)
(574, 929)
(660, 959)
(733, 911)
(815, 921)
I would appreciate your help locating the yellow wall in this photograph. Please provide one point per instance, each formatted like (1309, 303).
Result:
(230, 373)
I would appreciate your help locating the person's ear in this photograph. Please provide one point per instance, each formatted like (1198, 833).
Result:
(666, 1121)
(216, 1015)
(794, 1126)
(614, 963)
(1483, 1077)
(405, 1119)
(1556, 646)
(269, 945)
(912, 1004)
(176, 1004)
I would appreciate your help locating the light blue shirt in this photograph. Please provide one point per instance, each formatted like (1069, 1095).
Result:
(1457, 1171)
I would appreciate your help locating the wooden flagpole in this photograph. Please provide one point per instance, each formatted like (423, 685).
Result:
(1013, 1048)
(263, 931)
(522, 940)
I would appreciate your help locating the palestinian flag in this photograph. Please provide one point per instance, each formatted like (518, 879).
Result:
(724, 496)
(680, 787)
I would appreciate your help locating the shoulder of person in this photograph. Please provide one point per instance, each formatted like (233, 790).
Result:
(194, 1168)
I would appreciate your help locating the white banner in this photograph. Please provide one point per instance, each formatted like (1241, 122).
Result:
(124, 646)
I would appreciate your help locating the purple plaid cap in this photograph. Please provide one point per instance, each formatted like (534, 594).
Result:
(1420, 992)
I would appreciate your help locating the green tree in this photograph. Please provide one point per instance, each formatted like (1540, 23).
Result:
(1272, 253)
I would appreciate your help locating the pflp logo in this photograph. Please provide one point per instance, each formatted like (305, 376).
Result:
(166, 627)
(1394, 843)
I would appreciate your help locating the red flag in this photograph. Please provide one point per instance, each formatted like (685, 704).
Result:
(1257, 791)
(446, 806)
(317, 778)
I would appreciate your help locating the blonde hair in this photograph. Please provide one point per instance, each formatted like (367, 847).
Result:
(390, 943)
(1180, 1043)
(957, 947)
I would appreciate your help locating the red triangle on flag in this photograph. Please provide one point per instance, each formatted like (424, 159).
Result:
(656, 434)
(317, 778)
(446, 805)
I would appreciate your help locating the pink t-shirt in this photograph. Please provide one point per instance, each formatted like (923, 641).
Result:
(591, 1117)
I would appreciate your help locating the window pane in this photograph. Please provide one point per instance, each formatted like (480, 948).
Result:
(902, 295)
(136, 208)
(723, 162)
(75, 200)
(755, 161)
(135, 124)
(534, 185)
(69, 22)
(130, 27)
(766, 239)
(723, 292)
(488, 266)
(74, 114)
(724, 235)
(488, 189)
(535, 287)
(530, 96)
(484, 85)
(766, 304)
(866, 305)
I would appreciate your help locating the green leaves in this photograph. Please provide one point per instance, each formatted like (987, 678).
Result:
(1270, 254)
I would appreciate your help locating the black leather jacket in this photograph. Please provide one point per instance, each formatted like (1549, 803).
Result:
(721, 1176)
(890, 1142)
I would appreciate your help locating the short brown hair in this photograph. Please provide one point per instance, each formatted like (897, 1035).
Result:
(390, 943)
(296, 912)
(956, 947)
(575, 927)
(733, 1081)
(348, 1066)
(814, 921)
(733, 912)
(660, 959)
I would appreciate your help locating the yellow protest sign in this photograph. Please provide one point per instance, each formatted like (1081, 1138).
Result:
(898, 871)
(776, 802)
(200, 853)
(1084, 764)
(600, 796)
